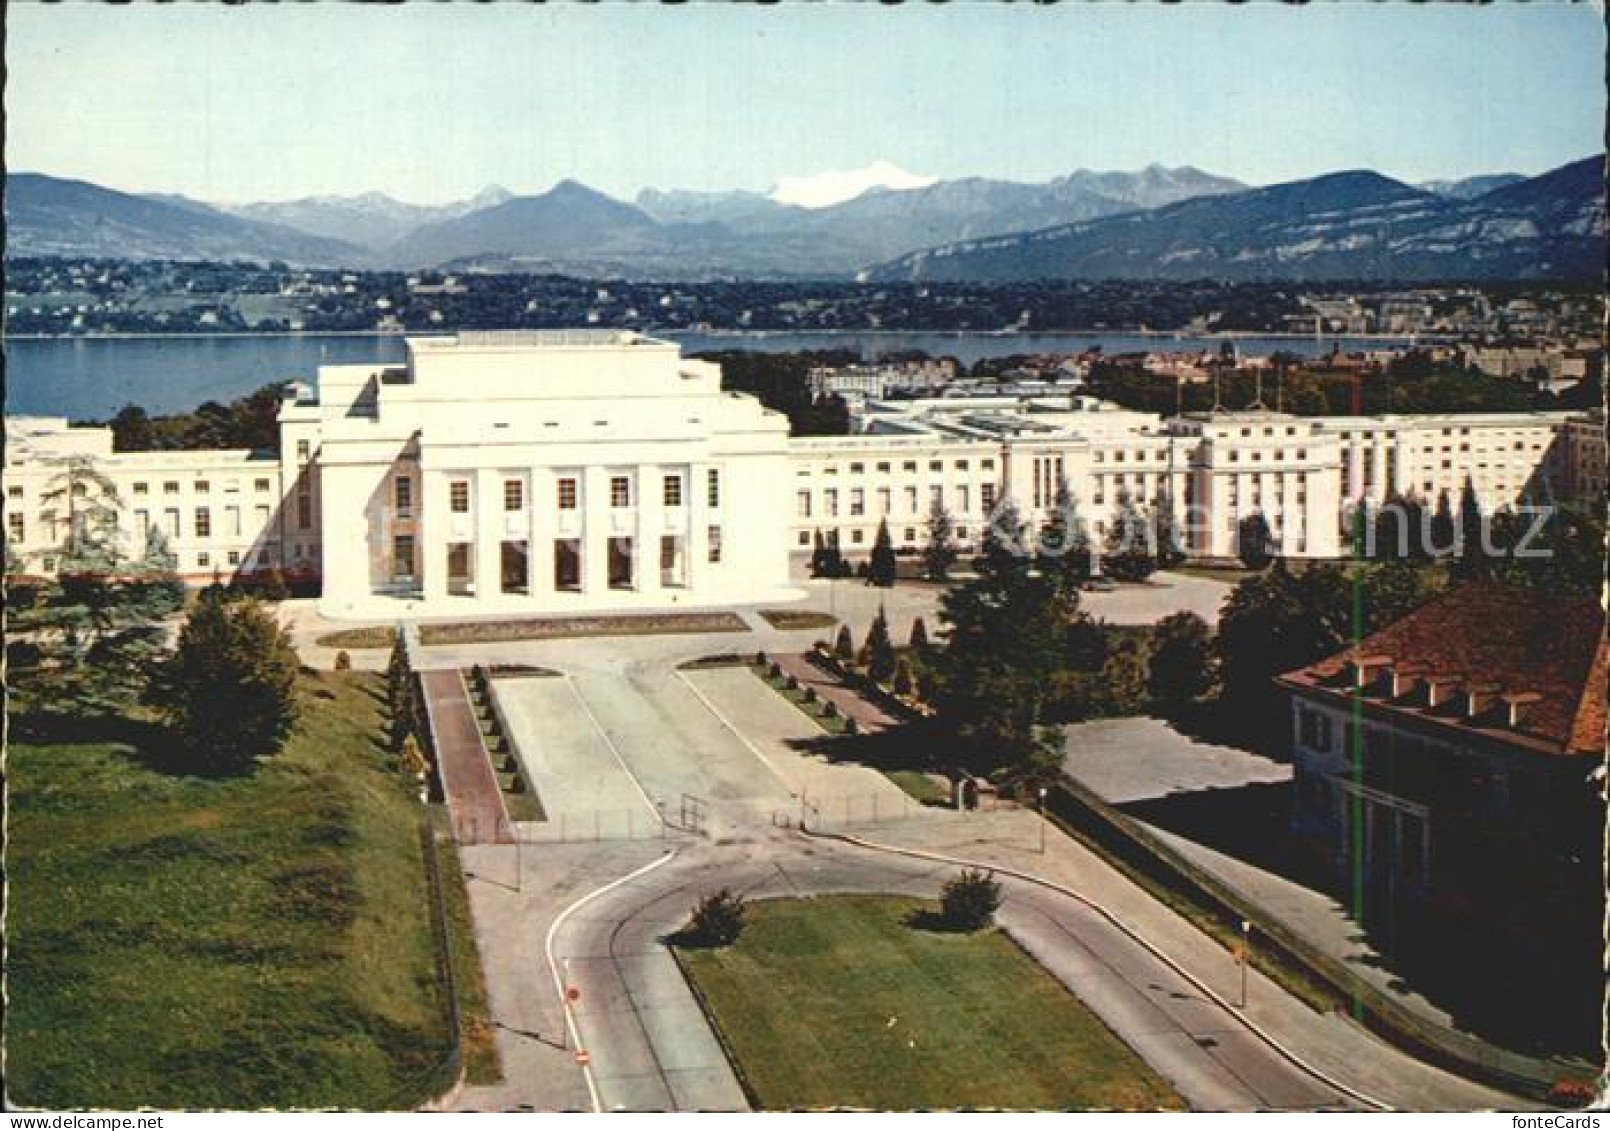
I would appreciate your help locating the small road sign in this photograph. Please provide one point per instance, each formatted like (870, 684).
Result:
(583, 1057)
(572, 994)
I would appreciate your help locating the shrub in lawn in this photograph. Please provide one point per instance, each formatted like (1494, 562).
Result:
(343, 662)
(718, 919)
(792, 683)
(829, 711)
(510, 766)
(810, 694)
(969, 902)
(516, 783)
(776, 670)
(851, 726)
(760, 658)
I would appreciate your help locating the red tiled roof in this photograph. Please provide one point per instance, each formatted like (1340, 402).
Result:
(1507, 641)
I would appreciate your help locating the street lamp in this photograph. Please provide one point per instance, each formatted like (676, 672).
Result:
(1042, 820)
(1246, 957)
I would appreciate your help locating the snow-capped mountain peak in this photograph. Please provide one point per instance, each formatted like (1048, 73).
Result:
(823, 190)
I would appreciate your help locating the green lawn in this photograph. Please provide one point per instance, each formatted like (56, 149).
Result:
(253, 941)
(838, 1002)
(919, 786)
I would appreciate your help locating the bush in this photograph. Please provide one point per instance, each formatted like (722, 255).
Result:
(718, 919)
(969, 902)
(343, 662)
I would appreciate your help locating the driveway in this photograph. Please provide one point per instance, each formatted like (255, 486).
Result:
(650, 1049)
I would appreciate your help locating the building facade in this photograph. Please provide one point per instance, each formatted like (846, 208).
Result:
(1448, 783)
(587, 470)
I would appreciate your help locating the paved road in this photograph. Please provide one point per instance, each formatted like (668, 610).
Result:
(651, 1051)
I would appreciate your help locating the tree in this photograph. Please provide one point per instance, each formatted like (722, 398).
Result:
(879, 650)
(1008, 632)
(400, 702)
(718, 919)
(818, 555)
(833, 563)
(1062, 550)
(881, 569)
(229, 690)
(81, 643)
(84, 503)
(1470, 547)
(904, 683)
(1277, 621)
(1444, 535)
(1130, 555)
(940, 552)
(131, 430)
(1166, 535)
(919, 635)
(1254, 541)
(844, 646)
(968, 901)
(1181, 667)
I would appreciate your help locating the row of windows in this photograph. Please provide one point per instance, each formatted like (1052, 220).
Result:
(567, 492)
(201, 523)
(804, 500)
(883, 467)
(514, 562)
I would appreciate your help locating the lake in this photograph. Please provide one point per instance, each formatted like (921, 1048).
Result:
(91, 378)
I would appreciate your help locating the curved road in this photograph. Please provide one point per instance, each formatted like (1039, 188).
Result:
(650, 1048)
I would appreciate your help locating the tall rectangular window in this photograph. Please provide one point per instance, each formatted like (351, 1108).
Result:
(986, 496)
(620, 491)
(857, 501)
(142, 523)
(712, 488)
(170, 521)
(567, 565)
(304, 511)
(514, 494)
(621, 564)
(514, 561)
(303, 450)
(673, 490)
(404, 494)
(883, 500)
(671, 561)
(804, 506)
(961, 500)
(203, 522)
(911, 499)
(232, 521)
(713, 541)
(830, 501)
(14, 527)
(402, 557)
(261, 515)
(567, 493)
(458, 496)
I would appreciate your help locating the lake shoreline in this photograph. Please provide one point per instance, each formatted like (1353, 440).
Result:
(1026, 335)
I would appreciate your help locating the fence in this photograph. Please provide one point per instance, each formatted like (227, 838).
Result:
(571, 827)
(1131, 843)
(442, 1077)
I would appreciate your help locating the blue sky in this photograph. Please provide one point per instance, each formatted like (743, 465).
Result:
(430, 103)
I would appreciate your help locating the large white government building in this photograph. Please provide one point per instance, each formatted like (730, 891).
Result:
(600, 470)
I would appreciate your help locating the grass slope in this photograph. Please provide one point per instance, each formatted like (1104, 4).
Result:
(838, 1002)
(260, 941)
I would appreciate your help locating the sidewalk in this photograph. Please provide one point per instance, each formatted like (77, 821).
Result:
(473, 798)
(869, 718)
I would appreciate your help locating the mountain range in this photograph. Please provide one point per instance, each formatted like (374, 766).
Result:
(1154, 223)
(1349, 225)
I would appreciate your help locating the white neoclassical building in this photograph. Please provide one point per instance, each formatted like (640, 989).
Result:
(539, 471)
(584, 471)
